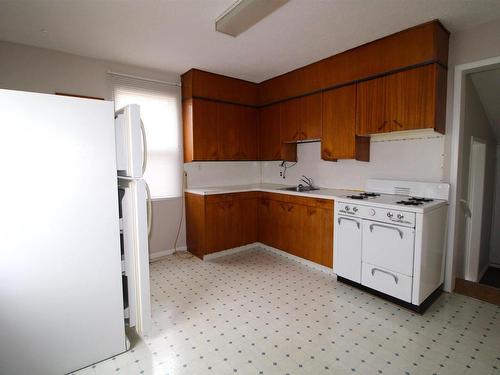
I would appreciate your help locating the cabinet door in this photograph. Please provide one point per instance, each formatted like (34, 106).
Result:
(269, 133)
(247, 216)
(339, 123)
(289, 228)
(247, 133)
(228, 119)
(371, 112)
(310, 117)
(215, 222)
(412, 98)
(204, 130)
(290, 120)
(266, 219)
(310, 224)
(327, 250)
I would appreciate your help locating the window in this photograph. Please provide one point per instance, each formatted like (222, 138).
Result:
(160, 113)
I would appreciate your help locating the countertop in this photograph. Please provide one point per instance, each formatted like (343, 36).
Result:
(271, 188)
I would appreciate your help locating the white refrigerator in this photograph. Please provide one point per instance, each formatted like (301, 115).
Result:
(61, 268)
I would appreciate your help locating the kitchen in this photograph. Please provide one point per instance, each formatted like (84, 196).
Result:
(391, 132)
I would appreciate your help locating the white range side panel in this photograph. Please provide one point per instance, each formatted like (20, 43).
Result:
(135, 240)
(428, 269)
(60, 272)
(347, 247)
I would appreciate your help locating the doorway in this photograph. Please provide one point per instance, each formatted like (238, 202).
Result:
(474, 216)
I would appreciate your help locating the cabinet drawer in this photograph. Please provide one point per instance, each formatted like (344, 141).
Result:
(388, 246)
(386, 281)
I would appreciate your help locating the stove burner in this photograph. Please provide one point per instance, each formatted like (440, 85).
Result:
(415, 199)
(410, 203)
(363, 196)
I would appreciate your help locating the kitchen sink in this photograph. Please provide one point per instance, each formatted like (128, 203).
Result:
(300, 188)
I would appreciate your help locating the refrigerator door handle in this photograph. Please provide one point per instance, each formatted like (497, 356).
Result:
(149, 207)
(144, 148)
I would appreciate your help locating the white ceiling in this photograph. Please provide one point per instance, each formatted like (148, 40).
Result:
(487, 85)
(176, 35)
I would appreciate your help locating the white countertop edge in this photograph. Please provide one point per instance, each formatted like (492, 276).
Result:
(331, 194)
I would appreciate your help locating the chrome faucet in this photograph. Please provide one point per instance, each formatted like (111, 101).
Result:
(307, 180)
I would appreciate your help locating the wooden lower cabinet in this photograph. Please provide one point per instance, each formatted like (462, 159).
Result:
(300, 226)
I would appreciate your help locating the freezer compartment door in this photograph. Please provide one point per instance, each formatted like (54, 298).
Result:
(136, 253)
(131, 143)
(348, 247)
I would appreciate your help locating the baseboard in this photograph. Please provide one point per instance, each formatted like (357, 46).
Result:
(164, 253)
(303, 261)
(494, 265)
(234, 250)
(479, 291)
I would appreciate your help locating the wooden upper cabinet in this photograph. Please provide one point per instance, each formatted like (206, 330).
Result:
(425, 43)
(371, 112)
(339, 140)
(200, 130)
(237, 132)
(271, 146)
(301, 119)
(408, 100)
(200, 84)
(413, 98)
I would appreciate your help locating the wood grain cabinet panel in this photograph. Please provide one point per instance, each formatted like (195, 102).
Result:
(270, 143)
(409, 100)
(301, 119)
(339, 140)
(200, 122)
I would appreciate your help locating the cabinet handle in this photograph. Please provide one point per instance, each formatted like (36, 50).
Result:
(398, 123)
(290, 208)
(296, 136)
(348, 219)
(304, 135)
(383, 125)
(387, 227)
(387, 273)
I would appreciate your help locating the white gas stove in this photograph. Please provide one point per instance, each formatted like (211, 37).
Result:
(391, 239)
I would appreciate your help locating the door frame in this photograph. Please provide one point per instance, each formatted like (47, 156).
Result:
(456, 130)
(475, 209)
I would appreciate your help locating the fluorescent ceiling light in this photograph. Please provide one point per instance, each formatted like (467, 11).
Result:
(243, 14)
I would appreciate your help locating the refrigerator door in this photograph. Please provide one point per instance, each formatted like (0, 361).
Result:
(135, 222)
(130, 142)
(60, 268)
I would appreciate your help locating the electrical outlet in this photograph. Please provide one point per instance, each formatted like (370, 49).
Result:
(281, 174)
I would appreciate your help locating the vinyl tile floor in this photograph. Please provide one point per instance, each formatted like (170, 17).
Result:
(257, 312)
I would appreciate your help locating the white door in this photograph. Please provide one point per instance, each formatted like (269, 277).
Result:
(347, 248)
(135, 224)
(474, 208)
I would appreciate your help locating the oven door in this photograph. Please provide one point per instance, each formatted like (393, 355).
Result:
(388, 246)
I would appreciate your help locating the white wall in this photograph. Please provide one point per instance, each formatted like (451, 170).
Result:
(476, 124)
(410, 159)
(495, 232)
(41, 70)
(201, 174)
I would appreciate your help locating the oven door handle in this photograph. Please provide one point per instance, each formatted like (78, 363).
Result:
(386, 272)
(387, 227)
(348, 219)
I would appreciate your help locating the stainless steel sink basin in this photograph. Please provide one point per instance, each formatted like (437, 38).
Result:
(300, 188)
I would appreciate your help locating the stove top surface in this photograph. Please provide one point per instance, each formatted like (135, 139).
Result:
(394, 201)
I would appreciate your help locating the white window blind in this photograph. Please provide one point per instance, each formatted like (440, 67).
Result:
(160, 113)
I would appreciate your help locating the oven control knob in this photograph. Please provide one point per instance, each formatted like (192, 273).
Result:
(347, 208)
(400, 216)
(371, 212)
(355, 209)
(390, 215)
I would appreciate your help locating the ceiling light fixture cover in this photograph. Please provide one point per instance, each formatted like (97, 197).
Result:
(243, 14)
